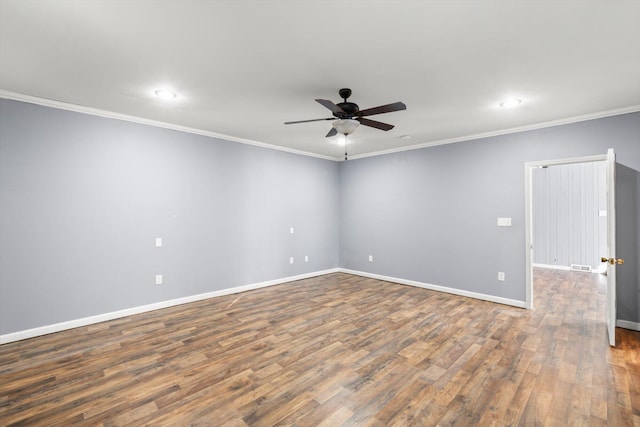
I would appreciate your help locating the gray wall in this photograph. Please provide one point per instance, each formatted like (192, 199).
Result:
(566, 221)
(430, 215)
(82, 199)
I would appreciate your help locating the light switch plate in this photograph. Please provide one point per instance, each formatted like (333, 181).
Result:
(504, 222)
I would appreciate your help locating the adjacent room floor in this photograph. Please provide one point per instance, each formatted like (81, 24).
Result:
(336, 350)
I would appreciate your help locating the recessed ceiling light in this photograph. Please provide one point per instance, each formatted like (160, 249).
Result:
(510, 103)
(165, 94)
(405, 137)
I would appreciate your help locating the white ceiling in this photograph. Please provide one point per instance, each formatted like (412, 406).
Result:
(242, 68)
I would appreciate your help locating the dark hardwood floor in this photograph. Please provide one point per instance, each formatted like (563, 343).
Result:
(336, 350)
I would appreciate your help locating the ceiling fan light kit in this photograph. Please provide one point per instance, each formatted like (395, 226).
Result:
(346, 126)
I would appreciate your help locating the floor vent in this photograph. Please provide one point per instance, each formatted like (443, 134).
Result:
(578, 267)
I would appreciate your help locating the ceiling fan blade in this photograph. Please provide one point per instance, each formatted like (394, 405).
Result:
(331, 106)
(374, 124)
(396, 106)
(331, 133)
(307, 121)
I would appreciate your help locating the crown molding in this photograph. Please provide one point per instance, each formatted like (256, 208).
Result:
(536, 126)
(134, 119)
(109, 114)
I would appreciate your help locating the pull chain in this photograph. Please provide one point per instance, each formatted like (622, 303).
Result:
(346, 139)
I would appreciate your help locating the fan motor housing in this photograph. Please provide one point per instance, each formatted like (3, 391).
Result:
(349, 108)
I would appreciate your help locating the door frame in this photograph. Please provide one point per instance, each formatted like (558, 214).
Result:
(528, 212)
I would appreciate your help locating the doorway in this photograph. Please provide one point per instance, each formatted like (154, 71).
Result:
(610, 254)
(575, 248)
(569, 209)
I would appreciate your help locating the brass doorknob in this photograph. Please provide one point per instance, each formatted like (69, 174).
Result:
(612, 260)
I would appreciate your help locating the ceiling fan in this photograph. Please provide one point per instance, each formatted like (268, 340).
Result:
(350, 116)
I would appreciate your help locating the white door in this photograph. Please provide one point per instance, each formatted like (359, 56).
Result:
(611, 259)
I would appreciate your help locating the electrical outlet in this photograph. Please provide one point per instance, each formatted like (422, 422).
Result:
(306, 258)
(158, 279)
(370, 258)
(158, 242)
(501, 276)
(290, 260)
(291, 230)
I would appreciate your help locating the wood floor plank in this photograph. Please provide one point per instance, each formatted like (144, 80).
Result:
(336, 350)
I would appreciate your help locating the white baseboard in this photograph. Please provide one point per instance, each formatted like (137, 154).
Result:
(594, 270)
(76, 323)
(57, 327)
(634, 326)
(460, 292)
(552, 266)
